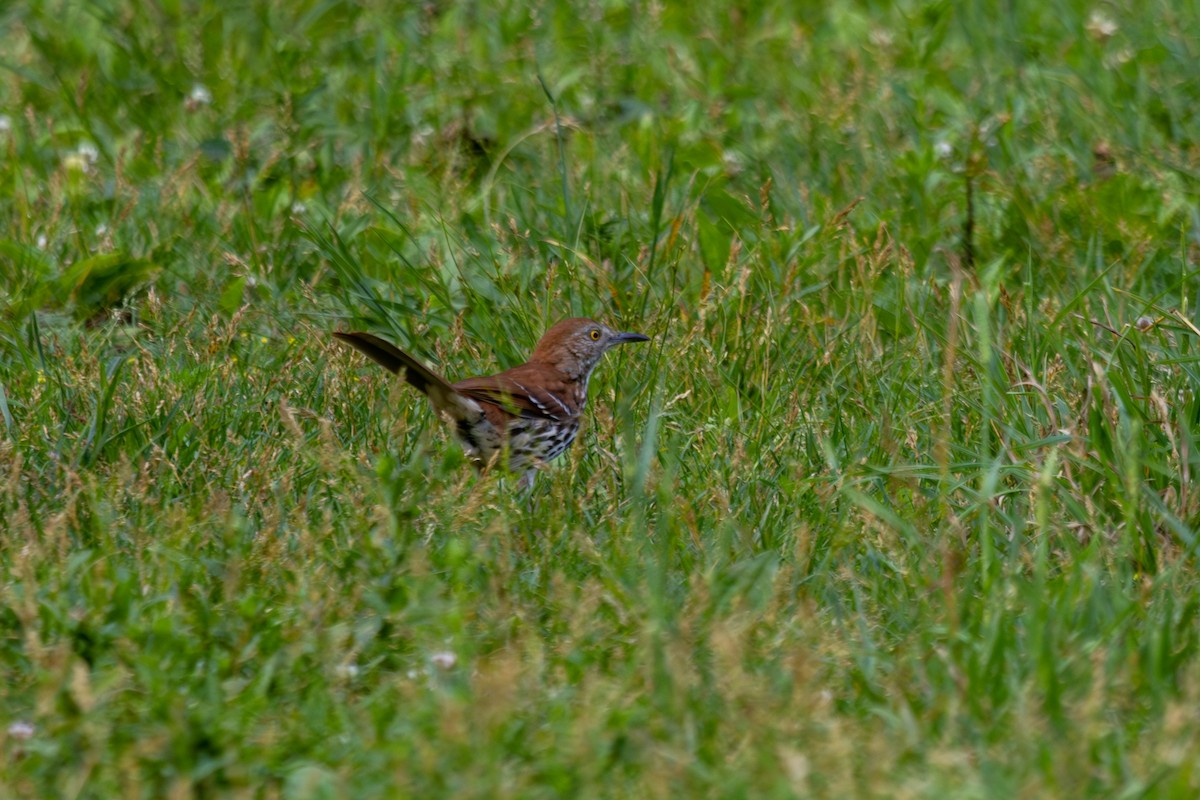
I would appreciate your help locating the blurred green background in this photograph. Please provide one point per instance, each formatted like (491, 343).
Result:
(898, 502)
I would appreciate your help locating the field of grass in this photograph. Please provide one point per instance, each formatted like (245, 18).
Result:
(901, 501)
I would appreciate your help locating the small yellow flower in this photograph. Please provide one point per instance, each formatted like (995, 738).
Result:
(262, 339)
(75, 163)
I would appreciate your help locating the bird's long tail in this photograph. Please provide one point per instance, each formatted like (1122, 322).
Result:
(395, 360)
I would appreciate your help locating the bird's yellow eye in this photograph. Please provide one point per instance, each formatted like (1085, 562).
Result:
(595, 334)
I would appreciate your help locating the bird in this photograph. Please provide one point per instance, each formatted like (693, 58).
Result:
(525, 416)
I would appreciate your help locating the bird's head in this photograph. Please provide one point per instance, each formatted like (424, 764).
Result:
(574, 346)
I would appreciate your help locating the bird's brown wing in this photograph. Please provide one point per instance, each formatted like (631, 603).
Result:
(393, 359)
(523, 391)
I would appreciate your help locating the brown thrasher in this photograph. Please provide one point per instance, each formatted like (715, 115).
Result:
(531, 411)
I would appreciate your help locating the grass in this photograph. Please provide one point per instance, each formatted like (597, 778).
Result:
(876, 514)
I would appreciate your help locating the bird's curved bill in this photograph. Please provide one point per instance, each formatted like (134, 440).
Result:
(622, 338)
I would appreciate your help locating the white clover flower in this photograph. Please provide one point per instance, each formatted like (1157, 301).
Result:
(443, 659)
(880, 37)
(1100, 26)
(200, 95)
(41, 241)
(299, 208)
(88, 152)
(732, 161)
(347, 670)
(5, 123)
(1119, 58)
(21, 730)
(422, 135)
(943, 150)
